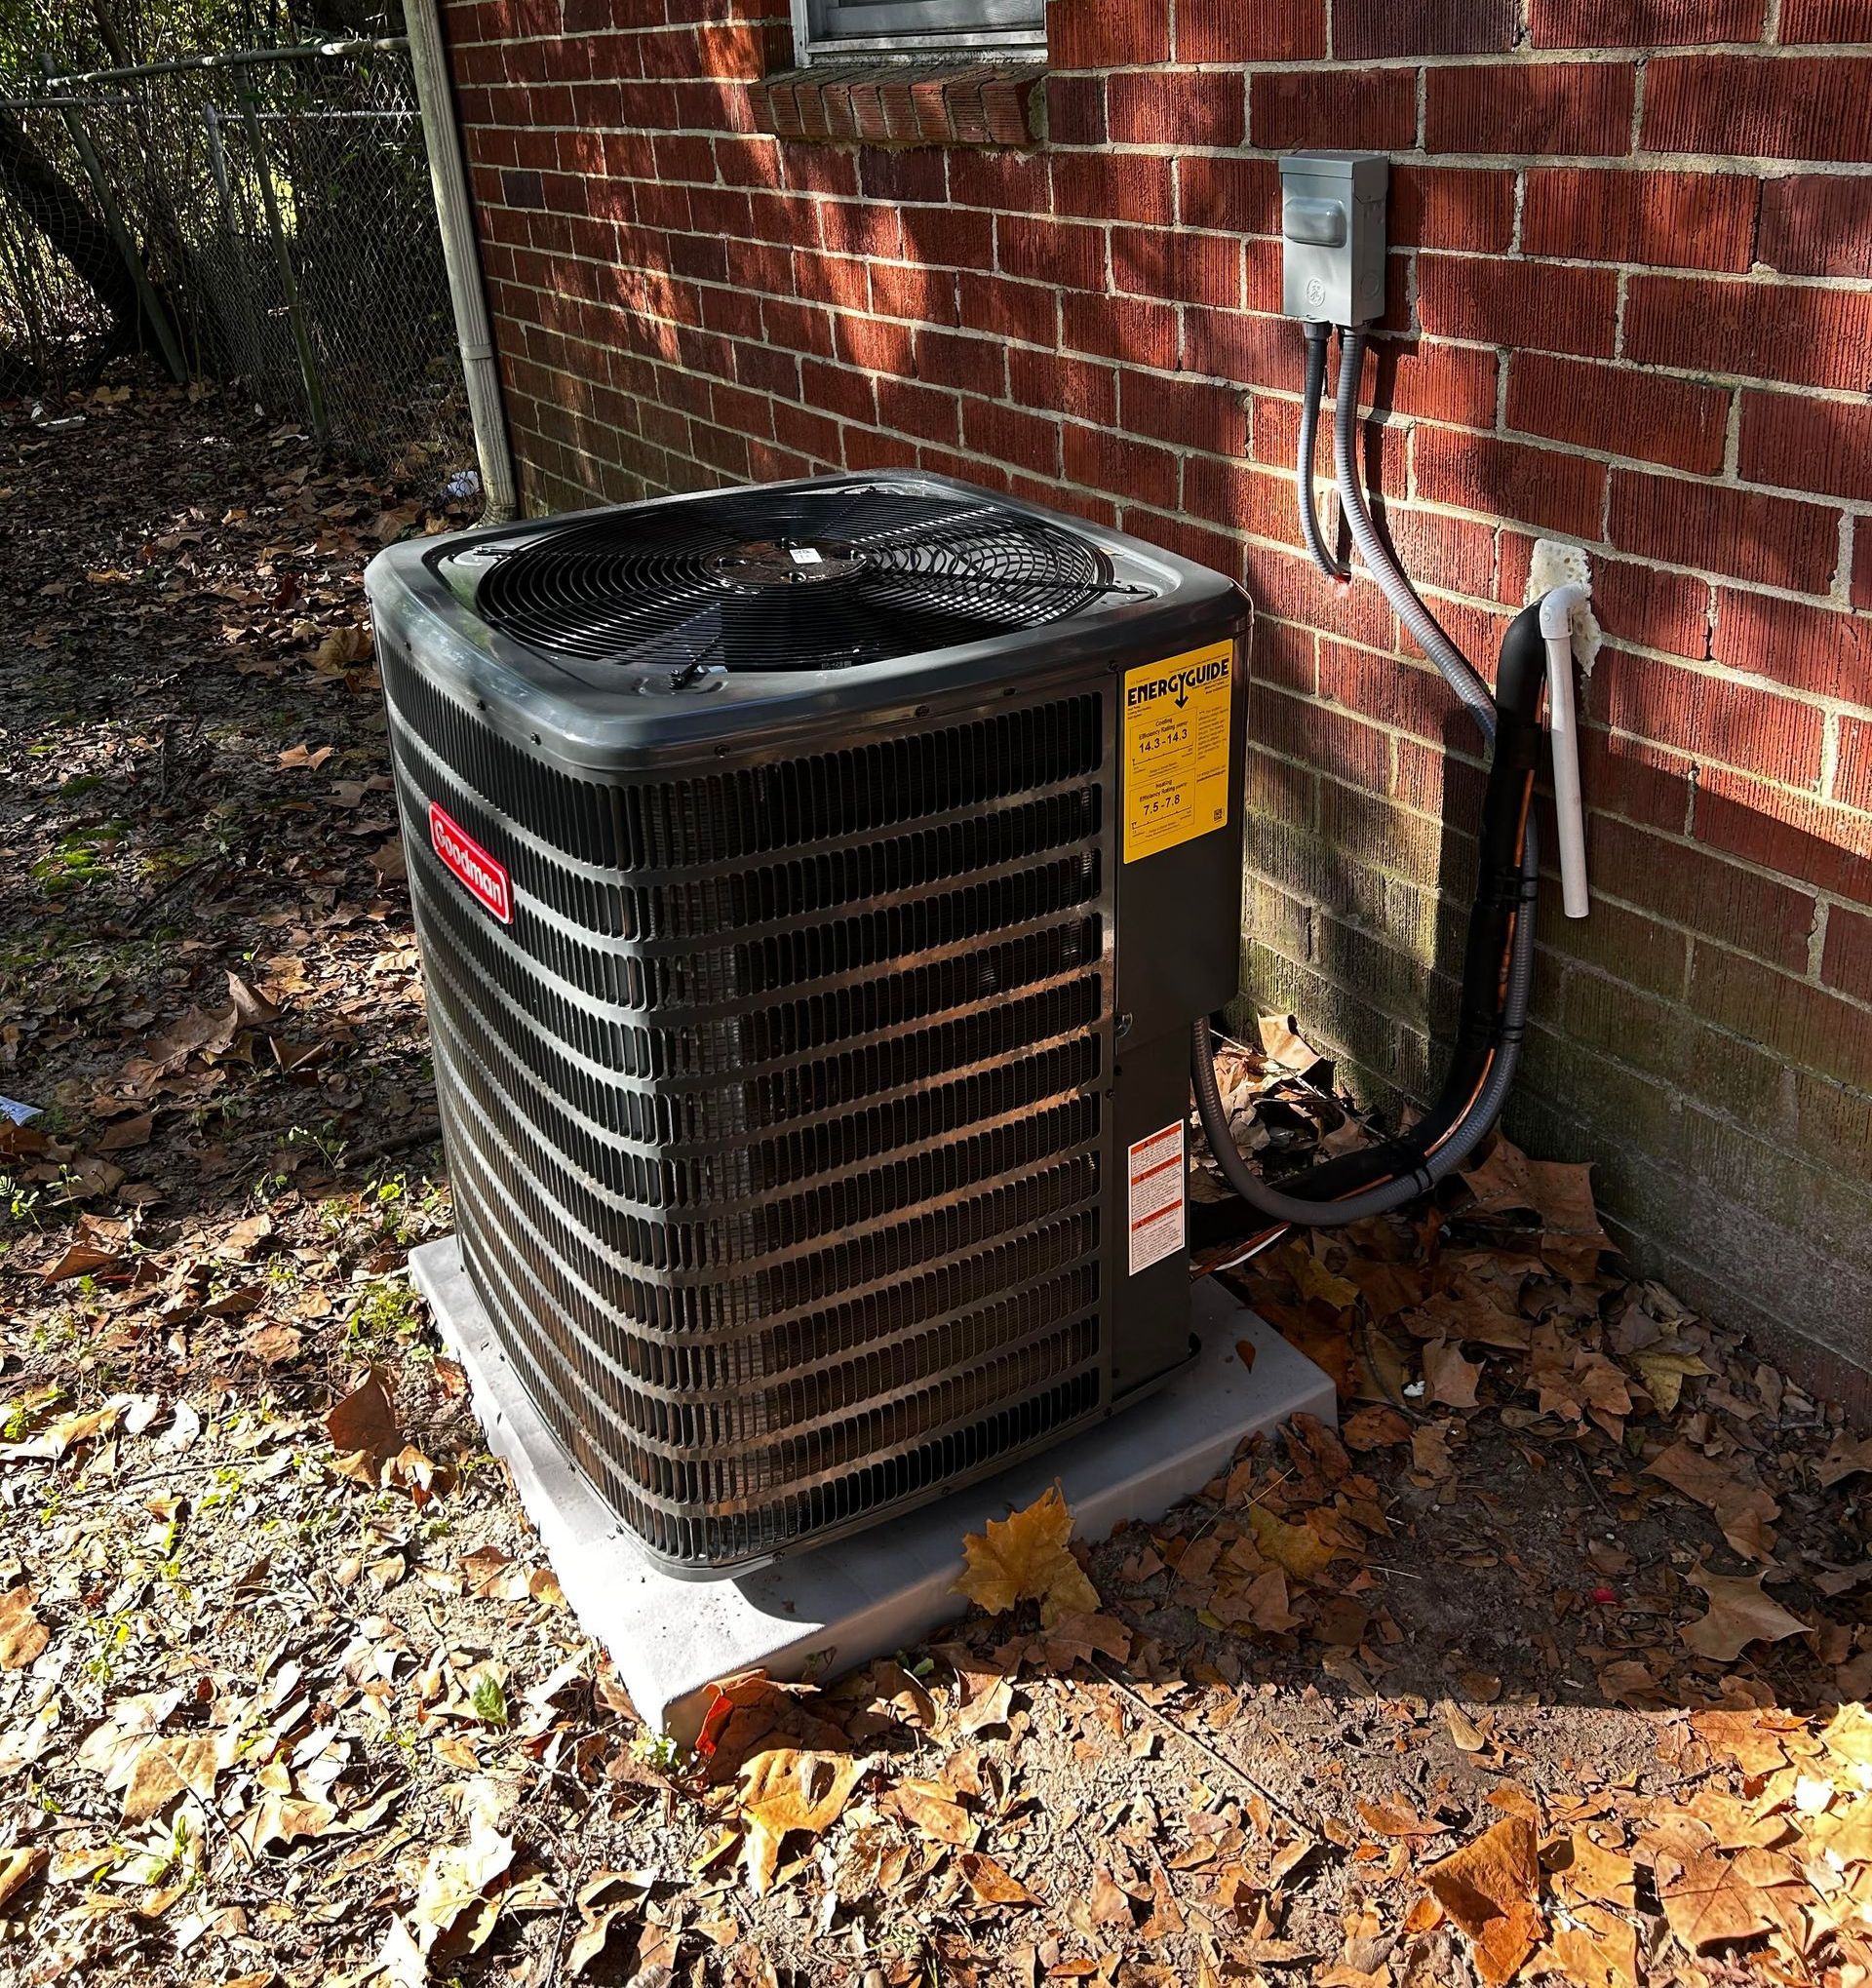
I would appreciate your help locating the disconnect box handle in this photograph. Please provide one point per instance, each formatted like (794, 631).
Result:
(1319, 224)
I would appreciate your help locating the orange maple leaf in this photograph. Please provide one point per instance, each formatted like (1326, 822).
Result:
(1026, 1557)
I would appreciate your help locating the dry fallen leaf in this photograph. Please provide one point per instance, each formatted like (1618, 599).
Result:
(1739, 1614)
(1431, 1449)
(364, 1422)
(1663, 1373)
(1026, 1557)
(1713, 1901)
(19, 1868)
(1448, 1377)
(81, 1260)
(785, 1789)
(1075, 1637)
(1313, 1279)
(62, 1433)
(493, 1576)
(989, 1702)
(747, 1714)
(285, 1818)
(1394, 1817)
(990, 1884)
(1597, 1948)
(1488, 1888)
(601, 1902)
(1502, 1183)
(273, 1344)
(1265, 1602)
(1572, 1238)
(1756, 1741)
(1464, 1729)
(1374, 1428)
(246, 1240)
(1107, 1903)
(453, 1912)
(935, 1811)
(1845, 1458)
(1741, 1508)
(422, 1477)
(1297, 1549)
(1281, 1044)
(22, 1635)
(1597, 1874)
(165, 1768)
(253, 1010)
(653, 1965)
(341, 647)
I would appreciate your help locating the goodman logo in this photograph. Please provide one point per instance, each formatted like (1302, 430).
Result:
(486, 879)
(1177, 683)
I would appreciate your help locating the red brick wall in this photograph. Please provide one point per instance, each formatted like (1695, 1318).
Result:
(1632, 303)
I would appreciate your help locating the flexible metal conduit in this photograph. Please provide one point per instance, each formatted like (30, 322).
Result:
(1318, 337)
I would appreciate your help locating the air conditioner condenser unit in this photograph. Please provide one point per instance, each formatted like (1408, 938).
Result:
(816, 886)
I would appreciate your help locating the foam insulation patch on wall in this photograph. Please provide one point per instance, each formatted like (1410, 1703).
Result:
(1557, 564)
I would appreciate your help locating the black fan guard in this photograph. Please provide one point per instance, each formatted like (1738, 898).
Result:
(791, 579)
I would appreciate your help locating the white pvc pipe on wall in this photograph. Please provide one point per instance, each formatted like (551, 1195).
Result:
(462, 255)
(1563, 729)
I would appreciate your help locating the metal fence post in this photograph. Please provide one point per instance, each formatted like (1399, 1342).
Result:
(217, 158)
(236, 327)
(146, 298)
(289, 278)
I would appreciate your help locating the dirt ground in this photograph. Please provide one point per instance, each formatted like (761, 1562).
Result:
(1546, 1667)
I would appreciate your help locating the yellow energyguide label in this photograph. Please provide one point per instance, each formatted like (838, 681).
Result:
(1176, 749)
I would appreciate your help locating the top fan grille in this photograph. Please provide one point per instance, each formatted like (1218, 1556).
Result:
(804, 579)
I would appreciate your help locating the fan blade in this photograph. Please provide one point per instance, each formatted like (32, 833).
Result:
(978, 512)
(855, 501)
(666, 645)
(916, 569)
(936, 576)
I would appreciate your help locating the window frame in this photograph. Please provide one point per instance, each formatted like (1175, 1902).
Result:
(828, 30)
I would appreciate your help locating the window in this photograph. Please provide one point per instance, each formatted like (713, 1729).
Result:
(825, 30)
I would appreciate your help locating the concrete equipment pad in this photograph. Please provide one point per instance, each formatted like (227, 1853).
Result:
(825, 1611)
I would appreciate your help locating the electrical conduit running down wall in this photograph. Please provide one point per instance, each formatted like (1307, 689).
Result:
(1630, 305)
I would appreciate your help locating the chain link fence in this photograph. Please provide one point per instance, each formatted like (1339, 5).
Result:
(49, 316)
(265, 214)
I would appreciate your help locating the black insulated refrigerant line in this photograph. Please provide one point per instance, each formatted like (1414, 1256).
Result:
(1498, 970)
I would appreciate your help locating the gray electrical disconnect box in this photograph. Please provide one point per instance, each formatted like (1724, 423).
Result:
(1331, 225)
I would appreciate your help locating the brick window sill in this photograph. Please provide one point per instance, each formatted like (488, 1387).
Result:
(925, 103)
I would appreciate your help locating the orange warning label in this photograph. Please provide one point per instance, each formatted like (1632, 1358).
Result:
(1155, 1200)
